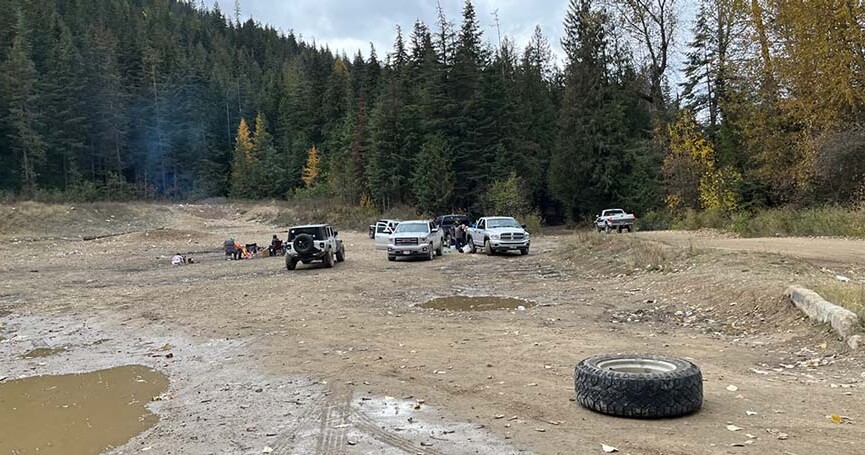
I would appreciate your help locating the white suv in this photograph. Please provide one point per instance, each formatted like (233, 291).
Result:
(316, 242)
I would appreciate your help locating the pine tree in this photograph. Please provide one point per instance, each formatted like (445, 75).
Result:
(433, 178)
(18, 78)
(269, 170)
(108, 123)
(536, 115)
(589, 157)
(468, 139)
(65, 107)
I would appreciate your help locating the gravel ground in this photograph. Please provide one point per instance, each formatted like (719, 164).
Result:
(343, 361)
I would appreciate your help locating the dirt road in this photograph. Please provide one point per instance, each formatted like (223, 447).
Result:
(343, 360)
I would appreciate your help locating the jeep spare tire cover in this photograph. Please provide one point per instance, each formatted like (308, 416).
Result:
(304, 244)
(642, 386)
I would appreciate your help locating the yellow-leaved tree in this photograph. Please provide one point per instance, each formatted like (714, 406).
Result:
(241, 165)
(692, 177)
(310, 172)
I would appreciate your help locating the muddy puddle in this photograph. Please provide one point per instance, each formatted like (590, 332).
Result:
(77, 414)
(42, 352)
(464, 303)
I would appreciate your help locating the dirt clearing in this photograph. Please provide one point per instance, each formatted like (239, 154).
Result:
(345, 360)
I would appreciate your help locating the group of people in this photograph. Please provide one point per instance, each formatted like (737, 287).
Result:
(179, 259)
(460, 235)
(235, 250)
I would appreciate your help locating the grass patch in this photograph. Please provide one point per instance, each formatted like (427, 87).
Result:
(833, 221)
(847, 295)
(300, 211)
(39, 220)
(623, 253)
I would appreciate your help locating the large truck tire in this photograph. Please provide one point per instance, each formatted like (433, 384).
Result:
(304, 244)
(639, 386)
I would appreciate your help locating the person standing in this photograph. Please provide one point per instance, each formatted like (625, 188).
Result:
(460, 236)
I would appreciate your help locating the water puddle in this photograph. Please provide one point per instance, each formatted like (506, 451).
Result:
(464, 303)
(42, 352)
(77, 413)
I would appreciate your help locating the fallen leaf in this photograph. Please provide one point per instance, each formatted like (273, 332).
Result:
(836, 418)
(608, 449)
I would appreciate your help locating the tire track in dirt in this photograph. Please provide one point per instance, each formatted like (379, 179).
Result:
(298, 422)
(334, 422)
(367, 425)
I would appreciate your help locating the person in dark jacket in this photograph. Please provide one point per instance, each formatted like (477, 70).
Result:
(460, 236)
(232, 250)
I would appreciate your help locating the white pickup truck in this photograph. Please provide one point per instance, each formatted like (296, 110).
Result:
(615, 219)
(499, 234)
(415, 238)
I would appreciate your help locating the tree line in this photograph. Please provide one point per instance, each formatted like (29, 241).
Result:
(174, 99)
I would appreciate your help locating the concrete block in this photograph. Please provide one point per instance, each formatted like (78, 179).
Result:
(843, 321)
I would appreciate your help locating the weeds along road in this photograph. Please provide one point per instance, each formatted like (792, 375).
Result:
(815, 250)
(343, 361)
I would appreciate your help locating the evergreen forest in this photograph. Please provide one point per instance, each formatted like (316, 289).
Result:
(178, 100)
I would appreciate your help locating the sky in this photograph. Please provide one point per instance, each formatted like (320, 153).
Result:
(351, 25)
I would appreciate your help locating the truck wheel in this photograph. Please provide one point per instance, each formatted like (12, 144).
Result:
(524, 251)
(290, 263)
(432, 253)
(391, 258)
(630, 229)
(340, 255)
(639, 386)
(488, 248)
(472, 247)
(620, 229)
(607, 229)
(440, 249)
(328, 259)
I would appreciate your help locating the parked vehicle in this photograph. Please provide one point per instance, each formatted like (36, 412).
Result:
(448, 223)
(380, 225)
(499, 234)
(615, 219)
(383, 231)
(415, 238)
(316, 242)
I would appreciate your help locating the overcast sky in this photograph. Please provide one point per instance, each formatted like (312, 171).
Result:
(351, 25)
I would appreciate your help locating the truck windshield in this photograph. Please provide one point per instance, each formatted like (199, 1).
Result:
(502, 223)
(412, 227)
